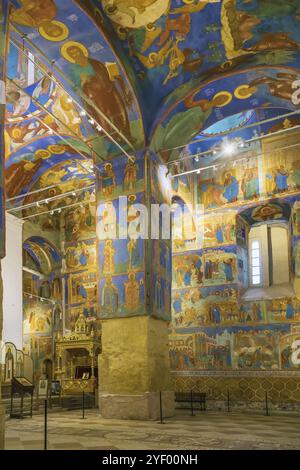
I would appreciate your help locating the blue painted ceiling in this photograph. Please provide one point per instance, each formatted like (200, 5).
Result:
(156, 73)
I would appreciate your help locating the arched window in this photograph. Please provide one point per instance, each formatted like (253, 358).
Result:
(268, 255)
(255, 262)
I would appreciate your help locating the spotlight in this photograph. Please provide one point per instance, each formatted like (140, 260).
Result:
(82, 113)
(91, 121)
(196, 159)
(198, 172)
(73, 193)
(99, 128)
(69, 100)
(241, 144)
(228, 148)
(215, 152)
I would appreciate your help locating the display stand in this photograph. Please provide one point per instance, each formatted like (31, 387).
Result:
(21, 398)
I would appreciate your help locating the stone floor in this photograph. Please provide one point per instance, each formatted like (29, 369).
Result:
(207, 430)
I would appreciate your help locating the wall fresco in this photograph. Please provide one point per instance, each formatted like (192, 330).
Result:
(215, 325)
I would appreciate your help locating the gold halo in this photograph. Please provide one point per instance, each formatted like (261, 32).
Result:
(150, 27)
(132, 198)
(42, 153)
(56, 149)
(227, 97)
(243, 92)
(67, 45)
(64, 31)
(152, 57)
(16, 133)
(108, 165)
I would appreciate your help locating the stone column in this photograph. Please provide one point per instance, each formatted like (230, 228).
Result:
(134, 291)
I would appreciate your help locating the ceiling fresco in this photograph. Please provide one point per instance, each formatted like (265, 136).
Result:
(158, 73)
(29, 164)
(174, 44)
(44, 256)
(262, 87)
(70, 41)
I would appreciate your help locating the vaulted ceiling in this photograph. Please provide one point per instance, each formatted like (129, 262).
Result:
(121, 75)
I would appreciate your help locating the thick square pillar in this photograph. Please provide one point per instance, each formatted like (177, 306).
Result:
(134, 289)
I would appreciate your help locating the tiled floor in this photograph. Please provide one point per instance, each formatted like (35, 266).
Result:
(207, 430)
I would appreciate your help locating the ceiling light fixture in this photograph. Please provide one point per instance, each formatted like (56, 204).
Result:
(228, 148)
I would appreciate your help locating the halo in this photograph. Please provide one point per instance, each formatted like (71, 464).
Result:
(243, 92)
(153, 57)
(16, 133)
(42, 153)
(67, 45)
(108, 165)
(227, 98)
(132, 198)
(56, 149)
(63, 28)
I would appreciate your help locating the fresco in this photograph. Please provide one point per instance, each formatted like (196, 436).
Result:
(175, 44)
(229, 186)
(237, 348)
(213, 327)
(37, 317)
(80, 255)
(121, 177)
(79, 221)
(220, 229)
(90, 314)
(188, 270)
(105, 89)
(82, 287)
(220, 266)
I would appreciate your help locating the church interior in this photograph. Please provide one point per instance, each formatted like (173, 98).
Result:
(110, 108)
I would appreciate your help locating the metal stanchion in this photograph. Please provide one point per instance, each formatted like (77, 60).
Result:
(192, 408)
(83, 404)
(267, 405)
(228, 401)
(160, 408)
(45, 424)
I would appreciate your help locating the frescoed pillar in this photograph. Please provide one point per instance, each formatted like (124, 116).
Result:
(134, 289)
(3, 42)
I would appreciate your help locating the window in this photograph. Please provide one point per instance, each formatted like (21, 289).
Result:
(256, 263)
(268, 255)
(30, 69)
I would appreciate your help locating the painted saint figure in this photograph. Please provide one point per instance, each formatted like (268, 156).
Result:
(290, 311)
(231, 186)
(108, 180)
(108, 258)
(281, 178)
(110, 296)
(132, 293)
(107, 92)
(216, 313)
(130, 175)
(250, 184)
(228, 269)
